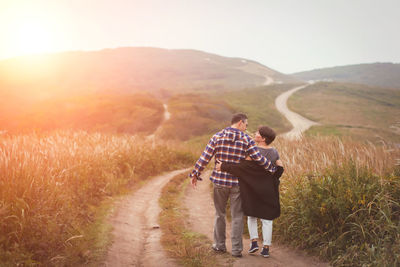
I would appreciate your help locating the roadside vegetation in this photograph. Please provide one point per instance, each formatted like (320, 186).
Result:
(341, 200)
(360, 111)
(189, 248)
(52, 185)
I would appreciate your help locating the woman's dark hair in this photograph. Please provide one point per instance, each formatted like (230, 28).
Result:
(267, 133)
(238, 117)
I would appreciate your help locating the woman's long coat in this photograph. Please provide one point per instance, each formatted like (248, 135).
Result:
(259, 189)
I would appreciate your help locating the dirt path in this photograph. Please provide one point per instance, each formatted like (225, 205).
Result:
(136, 232)
(300, 124)
(137, 235)
(166, 116)
(201, 220)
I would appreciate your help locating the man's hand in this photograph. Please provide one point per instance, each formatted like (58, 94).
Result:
(279, 163)
(193, 182)
(218, 165)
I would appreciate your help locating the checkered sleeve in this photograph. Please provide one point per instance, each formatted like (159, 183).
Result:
(204, 159)
(253, 152)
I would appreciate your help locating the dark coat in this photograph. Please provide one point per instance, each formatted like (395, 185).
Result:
(259, 189)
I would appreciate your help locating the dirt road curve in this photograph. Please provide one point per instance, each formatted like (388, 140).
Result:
(136, 232)
(201, 220)
(300, 124)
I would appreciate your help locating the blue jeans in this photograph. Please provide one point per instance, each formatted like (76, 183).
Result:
(221, 196)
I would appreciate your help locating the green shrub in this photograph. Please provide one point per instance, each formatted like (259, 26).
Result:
(346, 214)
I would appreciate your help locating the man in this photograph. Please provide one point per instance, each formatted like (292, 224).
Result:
(229, 145)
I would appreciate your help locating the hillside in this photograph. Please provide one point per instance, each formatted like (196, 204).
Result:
(62, 90)
(363, 112)
(131, 114)
(194, 115)
(129, 70)
(375, 74)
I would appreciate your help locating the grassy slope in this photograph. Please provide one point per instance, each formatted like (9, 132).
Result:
(363, 112)
(127, 70)
(105, 113)
(195, 117)
(375, 74)
(259, 105)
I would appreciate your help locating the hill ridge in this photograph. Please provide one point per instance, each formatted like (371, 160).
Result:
(131, 69)
(382, 74)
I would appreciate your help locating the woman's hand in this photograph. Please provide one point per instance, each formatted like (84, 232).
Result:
(218, 165)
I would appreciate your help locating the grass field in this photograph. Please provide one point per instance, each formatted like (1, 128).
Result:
(341, 200)
(51, 188)
(259, 105)
(366, 113)
(195, 117)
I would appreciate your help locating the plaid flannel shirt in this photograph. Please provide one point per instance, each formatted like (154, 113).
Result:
(229, 145)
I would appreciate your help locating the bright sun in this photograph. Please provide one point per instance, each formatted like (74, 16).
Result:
(32, 37)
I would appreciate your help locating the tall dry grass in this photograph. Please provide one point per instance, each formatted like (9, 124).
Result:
(341, 200)
(317, 153)
(187, 247)
(51, 184)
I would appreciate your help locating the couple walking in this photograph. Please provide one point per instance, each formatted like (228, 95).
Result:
(246, 174)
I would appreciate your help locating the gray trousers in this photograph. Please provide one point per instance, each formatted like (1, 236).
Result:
(221, 196)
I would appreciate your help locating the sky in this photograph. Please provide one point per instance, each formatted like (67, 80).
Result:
(285, 35)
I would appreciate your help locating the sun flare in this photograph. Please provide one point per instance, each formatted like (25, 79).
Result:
(32, 37)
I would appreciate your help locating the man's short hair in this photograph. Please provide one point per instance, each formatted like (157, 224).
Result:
(267, 133)
(238, 117)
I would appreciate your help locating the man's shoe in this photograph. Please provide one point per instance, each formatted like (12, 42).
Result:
(219, 250)
(253, 247)
(237, 255)
(265, 252)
